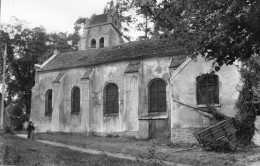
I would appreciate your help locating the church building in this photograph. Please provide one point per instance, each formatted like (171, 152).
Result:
(128, 89)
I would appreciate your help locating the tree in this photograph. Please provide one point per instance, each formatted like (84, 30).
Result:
(133, 19)
(59, 41)
(222, 30)
(144, 23)
(27, 47)
(248, 102)
(74, 38)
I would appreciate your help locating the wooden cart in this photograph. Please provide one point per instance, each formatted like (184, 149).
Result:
(219, 136)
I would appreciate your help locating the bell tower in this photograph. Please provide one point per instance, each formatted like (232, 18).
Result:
(101, 31)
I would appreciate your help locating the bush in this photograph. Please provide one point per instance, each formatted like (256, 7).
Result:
(9, 130)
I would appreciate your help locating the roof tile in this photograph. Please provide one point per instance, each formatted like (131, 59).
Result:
(87, 74)
(129, 51)
(133, 67)
(98, 19)
(58, 78)
(176, 62)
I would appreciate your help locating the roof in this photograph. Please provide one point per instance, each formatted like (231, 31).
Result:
(58, 78)
(129, 51)
(87, 74)
(98, 19)
(176, 61)
(133, 67)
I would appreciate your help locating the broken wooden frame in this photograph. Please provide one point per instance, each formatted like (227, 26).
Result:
(221, 135)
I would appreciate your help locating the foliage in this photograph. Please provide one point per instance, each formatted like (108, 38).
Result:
(123, 7)
(15, 115)
(146, 25)
(248, 100)
(74, 38)
(60, 41)
(27, 47)
(133, 19)
(222, 30)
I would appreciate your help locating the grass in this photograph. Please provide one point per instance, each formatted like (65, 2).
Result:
(180, 152)
(20, 151)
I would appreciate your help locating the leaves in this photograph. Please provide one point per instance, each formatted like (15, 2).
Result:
(27, 47)
(134, 20)
(223, 30)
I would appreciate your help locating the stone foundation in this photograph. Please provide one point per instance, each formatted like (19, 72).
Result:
(184, 135)
(114, 134)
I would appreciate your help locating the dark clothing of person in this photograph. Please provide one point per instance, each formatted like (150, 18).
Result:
(30, 130)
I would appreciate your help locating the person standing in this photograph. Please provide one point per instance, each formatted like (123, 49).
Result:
(30, 130)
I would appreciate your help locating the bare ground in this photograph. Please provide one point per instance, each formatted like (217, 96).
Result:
(164, 150)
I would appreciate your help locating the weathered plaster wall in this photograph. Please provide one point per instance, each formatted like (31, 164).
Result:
(131, 101)
(68, 121)
(184, 90)
(151, 69)
(61, 119)
(42, 122)
(133, 98)
(104, 74)
(109, 34)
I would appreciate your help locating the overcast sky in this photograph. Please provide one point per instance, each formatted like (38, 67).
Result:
(54, 15)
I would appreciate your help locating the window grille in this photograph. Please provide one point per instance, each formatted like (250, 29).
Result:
(75, 100)
(157, 96)
(111, 99)
(207, 89)
(48, 103)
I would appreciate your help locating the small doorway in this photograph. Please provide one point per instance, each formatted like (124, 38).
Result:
(159, 128)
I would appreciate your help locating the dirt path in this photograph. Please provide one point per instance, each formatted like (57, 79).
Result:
(20, 151)
(97, 152)
(186, 154)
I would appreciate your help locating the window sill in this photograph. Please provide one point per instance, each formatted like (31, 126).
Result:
(48, 115)
(109, 115)
(74, 114)
(204, 105)
(154, 115)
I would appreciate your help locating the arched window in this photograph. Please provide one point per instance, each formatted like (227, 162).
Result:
(111, 101)
(48, 103)
(93, 43)
(101, 42)
(75, 100)
(157, 95)
(207, 89)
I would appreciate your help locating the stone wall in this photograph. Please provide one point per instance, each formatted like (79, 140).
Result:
(184, 135)
(110, 35)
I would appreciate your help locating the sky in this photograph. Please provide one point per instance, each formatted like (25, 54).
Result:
(54, 15)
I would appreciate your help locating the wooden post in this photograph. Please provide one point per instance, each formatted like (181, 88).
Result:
(3, 90)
